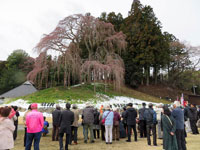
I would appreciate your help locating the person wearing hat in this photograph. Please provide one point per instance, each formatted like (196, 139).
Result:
(88, 120)
(34, 123)
(131, 115)
(55, 120)
(108, 115)
(151, 121)
(142, 122)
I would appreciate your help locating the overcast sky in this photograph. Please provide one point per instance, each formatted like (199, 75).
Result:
(23, 22)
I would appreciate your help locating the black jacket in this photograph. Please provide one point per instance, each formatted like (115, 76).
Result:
(124, 117)
(96, 118)
(194, 113)
(66, 120)
(187, 113)
(56, 116)
(131, 115)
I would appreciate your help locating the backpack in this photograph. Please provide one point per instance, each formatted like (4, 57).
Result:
(148, 115)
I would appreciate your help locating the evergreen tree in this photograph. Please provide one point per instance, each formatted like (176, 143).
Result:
(146, 48)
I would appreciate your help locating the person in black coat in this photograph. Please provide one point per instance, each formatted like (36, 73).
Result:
(65, 122)
(131, 115)
(193, 119)
(55, 118)
(124, 119)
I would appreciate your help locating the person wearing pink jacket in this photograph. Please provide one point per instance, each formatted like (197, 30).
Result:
(34, 123)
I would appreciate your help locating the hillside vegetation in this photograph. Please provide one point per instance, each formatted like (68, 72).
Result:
(83, 93)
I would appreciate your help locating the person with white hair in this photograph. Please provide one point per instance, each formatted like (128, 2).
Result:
(178, 115)
(108, 115)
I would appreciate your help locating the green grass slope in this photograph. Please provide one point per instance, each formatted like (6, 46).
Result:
(83, 93)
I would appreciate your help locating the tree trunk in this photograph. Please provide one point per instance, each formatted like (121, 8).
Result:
(147, 75)
(47, 80)
(68, 84)
(94, 81)
(65, 80)
(155, 73)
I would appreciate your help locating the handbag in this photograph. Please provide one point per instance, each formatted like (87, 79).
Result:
(116, 123)
(104, 120)
(198, 123)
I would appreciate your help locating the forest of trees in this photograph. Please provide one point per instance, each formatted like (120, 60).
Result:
(109, 49)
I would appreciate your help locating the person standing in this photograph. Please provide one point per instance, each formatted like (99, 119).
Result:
(159, 109)
(108, 115)
(193, 119)
(16, 122)
(34, 123)
(178, 115)
(116, 120)
(187, 117)
(55, 119)
(102, 126)
(131, 115)
(169, 129)
(124, 121)
(88, 120)
(6, 129)
(142, 122)
(75, 124)
(25, 127)
(150, 117)
(65, 122)
(96, 128)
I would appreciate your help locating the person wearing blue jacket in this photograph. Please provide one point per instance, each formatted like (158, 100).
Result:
(109, 116)
(178, 115)
(45, 130)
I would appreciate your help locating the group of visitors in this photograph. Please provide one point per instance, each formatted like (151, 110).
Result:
(108, 123)
(170, 123)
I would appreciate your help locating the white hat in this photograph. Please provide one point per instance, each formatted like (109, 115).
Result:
(177, 103)
(107, 107)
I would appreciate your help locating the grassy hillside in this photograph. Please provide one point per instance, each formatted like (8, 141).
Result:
(84, 93)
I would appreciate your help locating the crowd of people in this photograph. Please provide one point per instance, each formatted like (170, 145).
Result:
(171, 124)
